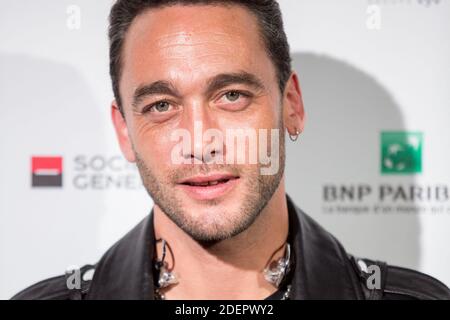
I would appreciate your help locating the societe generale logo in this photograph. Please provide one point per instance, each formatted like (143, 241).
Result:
(46, 171)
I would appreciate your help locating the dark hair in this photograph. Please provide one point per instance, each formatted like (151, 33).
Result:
(267, 13)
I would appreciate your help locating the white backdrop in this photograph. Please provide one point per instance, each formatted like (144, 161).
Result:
(366, 67)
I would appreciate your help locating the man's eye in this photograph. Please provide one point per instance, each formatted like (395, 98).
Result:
(232, 96)
(161, 106)
(234, 100)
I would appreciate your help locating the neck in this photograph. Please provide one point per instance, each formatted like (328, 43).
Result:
(232, 268)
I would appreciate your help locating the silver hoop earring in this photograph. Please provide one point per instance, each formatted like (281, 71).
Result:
(294, 137)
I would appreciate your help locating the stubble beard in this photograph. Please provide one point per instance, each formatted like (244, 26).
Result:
(259, 190)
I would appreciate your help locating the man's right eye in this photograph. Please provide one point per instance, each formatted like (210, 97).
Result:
(158, 107)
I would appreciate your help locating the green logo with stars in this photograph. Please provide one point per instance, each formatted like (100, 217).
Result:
(401, 152)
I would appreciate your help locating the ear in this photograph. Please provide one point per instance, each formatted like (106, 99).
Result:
(121, 128)
(293, 111)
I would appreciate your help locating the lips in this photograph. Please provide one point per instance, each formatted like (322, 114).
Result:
(208, 187)
(209, 180)
(207, 183)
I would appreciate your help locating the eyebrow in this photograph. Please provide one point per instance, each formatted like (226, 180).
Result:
(225, 79)
(215, 83)
(157, 87)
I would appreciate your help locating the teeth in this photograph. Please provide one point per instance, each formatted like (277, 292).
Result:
(202, 184)
(208, 183)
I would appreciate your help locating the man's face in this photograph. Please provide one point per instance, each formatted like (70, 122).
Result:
(188, 66)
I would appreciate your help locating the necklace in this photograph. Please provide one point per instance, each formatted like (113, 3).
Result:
(275, 275)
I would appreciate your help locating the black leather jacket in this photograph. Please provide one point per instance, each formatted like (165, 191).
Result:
(322, 270)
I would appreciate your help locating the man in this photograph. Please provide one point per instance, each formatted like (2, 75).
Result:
(186, 75)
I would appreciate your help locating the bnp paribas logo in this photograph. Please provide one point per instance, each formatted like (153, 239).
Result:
(401, 152)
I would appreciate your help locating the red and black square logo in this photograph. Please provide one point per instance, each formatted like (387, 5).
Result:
(46, 171)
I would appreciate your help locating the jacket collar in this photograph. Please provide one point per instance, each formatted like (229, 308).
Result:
(321, 268)
(125, 271)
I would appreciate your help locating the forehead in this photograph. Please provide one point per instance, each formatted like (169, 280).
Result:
(190, 43)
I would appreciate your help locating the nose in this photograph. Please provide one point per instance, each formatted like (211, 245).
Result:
(202, 124)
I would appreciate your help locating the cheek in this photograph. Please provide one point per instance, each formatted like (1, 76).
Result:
(152, 144)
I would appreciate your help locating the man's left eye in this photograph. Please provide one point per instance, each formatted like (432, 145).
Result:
(232, 96)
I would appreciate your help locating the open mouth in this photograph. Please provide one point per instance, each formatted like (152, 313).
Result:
(207, 183)
(208, 187)
(208, 180)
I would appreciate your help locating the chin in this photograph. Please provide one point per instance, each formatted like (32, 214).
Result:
(211, 214)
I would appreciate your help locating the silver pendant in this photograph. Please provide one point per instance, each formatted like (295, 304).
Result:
(166, 278)
(276, 274)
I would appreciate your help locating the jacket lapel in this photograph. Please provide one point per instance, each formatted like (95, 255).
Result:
(322, 269)
(125, 271)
